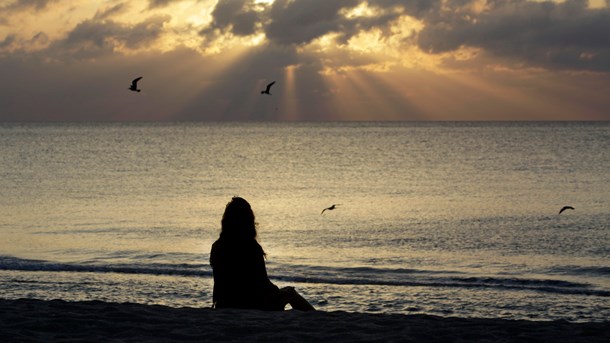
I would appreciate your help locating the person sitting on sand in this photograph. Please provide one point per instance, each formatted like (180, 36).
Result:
(238, 266)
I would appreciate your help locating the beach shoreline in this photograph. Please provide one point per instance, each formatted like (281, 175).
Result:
(31, 320)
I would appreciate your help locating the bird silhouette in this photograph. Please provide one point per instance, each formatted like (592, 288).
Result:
(266, 91)
(134, 84)
(330, 208)
(566, 208)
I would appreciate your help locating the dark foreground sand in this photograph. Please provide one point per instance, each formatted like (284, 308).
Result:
(51, 321)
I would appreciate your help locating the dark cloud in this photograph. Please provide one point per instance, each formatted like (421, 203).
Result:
(9, 8)
(13, 43)
(239, 17)
(415, 8)
(37, 5)
(298, 22)
(161, 3)
(301, 21)
(93, 38)
(110, 11)
(567, 35)
(7, 42)
(40, 37)
(84, 75)
(548, 34)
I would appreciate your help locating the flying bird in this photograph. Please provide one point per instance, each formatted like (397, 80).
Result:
(566, 208)
(330, 208)
(266, 91)
(134, 84)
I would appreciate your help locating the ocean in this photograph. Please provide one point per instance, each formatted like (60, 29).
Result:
(446, 218)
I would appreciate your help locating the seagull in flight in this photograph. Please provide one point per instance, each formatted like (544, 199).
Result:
(266, 91)
(566, 208)
(134, 84)
(330, 208)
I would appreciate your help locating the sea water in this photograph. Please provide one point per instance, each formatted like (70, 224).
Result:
(451, 219)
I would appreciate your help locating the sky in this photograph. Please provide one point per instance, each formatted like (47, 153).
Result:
(332, 60)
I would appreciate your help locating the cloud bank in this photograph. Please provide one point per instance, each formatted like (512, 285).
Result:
(320, 53)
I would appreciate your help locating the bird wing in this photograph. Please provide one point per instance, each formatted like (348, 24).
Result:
(566, 208)
(323, 211)
(135, 81)
(269, 85)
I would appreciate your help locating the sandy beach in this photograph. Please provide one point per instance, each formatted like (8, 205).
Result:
(27, 320)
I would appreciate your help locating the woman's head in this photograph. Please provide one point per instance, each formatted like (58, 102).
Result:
(238, 220)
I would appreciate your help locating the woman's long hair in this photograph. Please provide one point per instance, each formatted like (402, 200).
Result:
(238, 222)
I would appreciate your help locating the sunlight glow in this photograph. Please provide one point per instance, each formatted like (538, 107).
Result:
(194, 74)
(53, 22)
(340, 107)
(598, 3)
(290, 108)
(226, 42)
(321, 44)
(377, 93)
(373, 64)
(357, 93)
(362, 10)
(371, 41)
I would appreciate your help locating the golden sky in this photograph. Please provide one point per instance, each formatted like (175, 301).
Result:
(208, 60)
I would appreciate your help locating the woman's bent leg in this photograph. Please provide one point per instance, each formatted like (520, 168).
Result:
(292, 297)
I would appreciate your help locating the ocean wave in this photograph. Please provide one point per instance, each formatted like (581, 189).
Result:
(425, 278)
(602, 271)
(546, 286)
(325, 275)
(183, 269)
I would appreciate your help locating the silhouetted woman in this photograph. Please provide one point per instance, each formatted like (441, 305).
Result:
(238, 264)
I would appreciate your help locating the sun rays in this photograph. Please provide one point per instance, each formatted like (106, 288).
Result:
(290, 106)
(360, 60)
(360, 88)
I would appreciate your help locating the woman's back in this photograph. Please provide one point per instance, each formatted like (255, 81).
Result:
(240, 276)
(238, 265)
